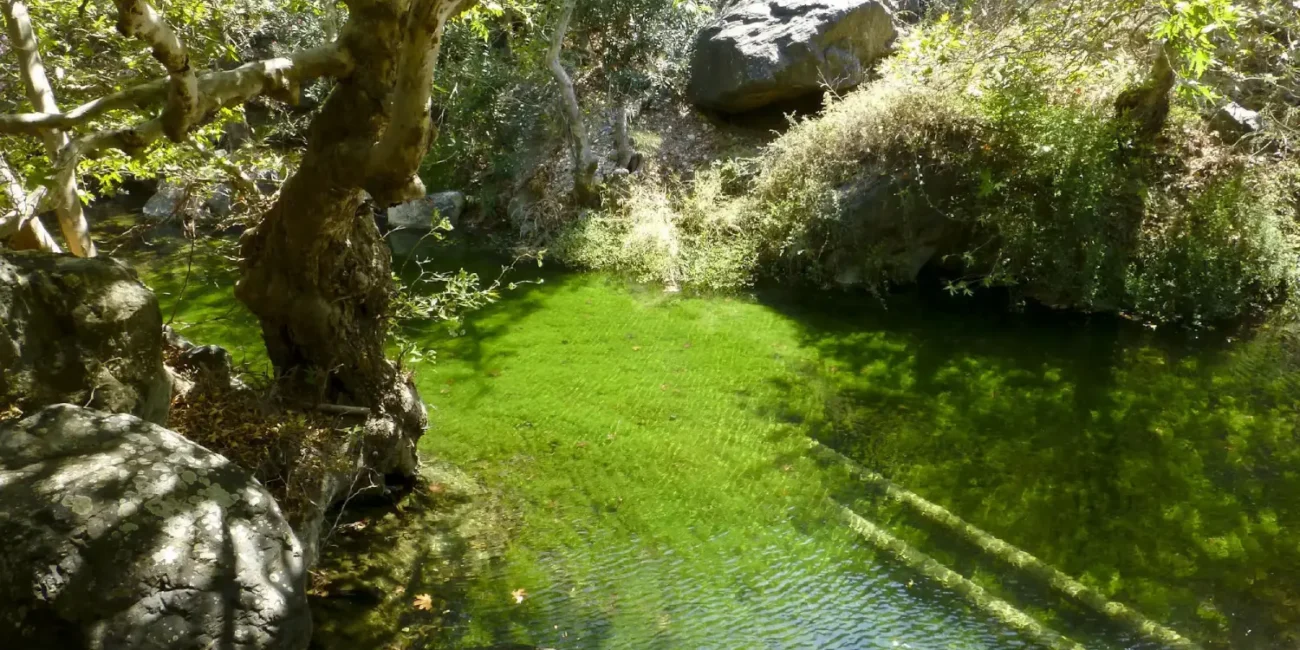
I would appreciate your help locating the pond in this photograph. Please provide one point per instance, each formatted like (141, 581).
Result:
(653, 453)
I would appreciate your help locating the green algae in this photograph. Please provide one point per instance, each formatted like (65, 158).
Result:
(651, 450)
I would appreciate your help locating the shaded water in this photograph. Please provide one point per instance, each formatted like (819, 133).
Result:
(655, 451)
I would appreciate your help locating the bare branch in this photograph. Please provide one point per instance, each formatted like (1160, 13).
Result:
(138, 19)
(72, 221)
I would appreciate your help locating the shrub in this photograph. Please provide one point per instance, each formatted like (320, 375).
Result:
(1044, 188)
(696, 236)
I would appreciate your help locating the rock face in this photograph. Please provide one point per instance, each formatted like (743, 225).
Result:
(766, 51)
(121, 534)
(424, 213)
(83, 331)
(876, 229)
(165, 204)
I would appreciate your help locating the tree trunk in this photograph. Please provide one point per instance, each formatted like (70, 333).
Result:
(623, 150)
(585, 192)
(72, 221)
(1147, 104)
(316, 271)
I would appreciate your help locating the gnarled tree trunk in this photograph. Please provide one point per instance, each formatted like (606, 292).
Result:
(316, 270)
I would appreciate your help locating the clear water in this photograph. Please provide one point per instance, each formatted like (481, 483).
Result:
(653, 451)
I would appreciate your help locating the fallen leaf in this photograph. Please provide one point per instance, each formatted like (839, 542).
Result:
(519, 595)
(424, 602)
(636, 348)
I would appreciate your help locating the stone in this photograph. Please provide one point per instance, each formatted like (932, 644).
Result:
(84, 331)
(121, 534)
(872, 226)
(235, 134)
(761, 52)
(425, 213)
(166, 202)
(221, 202)
(210, 362)
(1233, 121)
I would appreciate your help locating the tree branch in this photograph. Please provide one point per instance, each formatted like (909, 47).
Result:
(72, 221)
(407, 136)
(138, 19)
(148, 94)
(281, 78)
(19, 226)
(584, 162)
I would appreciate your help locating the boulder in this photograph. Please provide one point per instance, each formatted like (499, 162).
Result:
(425, 213)
(121, 534)
(761, 52)
(1233, 121)
(876, 230)
(166, 202)
(217, 200)
(221, 203)
(84, 331)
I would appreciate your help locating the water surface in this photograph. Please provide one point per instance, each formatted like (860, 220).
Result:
(654, 448)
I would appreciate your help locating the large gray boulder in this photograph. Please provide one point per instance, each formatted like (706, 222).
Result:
(121, 534)
(84, 331)
(760, 52)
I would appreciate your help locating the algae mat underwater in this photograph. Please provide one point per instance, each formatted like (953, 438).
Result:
(653, 452)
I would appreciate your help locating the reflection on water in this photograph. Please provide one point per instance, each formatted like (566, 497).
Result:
(1160, 469)
(654, 449)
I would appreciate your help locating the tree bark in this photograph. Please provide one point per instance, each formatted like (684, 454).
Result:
(585, 192)
(623, 150)
(138, 19)
(67, 203)
(316, 271)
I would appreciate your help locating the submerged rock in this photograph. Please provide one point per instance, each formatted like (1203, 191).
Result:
(121, 534)
(427, 212)
(765, 51)
(84, 331)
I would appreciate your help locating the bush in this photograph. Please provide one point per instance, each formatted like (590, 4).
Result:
(1043, 186)
(696, 237)
(1000, 154)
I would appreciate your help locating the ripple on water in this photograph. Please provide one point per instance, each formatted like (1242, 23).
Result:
(626, 593)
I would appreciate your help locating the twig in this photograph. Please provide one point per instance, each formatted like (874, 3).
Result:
(189, 262)
(342, 409)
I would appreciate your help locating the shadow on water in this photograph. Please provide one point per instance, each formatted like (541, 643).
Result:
(1161, 469)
